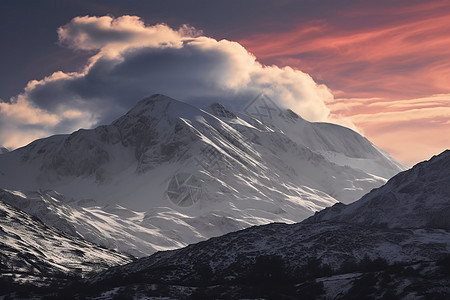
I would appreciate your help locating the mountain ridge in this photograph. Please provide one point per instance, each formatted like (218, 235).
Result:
(188, 173)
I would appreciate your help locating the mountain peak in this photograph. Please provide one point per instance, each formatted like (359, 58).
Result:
(292, 114)
(289, 114)
(221, 111)
(156, 104)
(160, 106)
(156, 97)
(3, 150)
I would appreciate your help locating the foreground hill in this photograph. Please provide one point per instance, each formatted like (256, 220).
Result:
(31, 252)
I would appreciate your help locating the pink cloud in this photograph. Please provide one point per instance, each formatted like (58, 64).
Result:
(412, 129)
(405, 50)
(382, 64)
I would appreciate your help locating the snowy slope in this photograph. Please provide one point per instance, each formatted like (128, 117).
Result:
(417, 198)
(338, 144)
(33, 252)
(183, 174)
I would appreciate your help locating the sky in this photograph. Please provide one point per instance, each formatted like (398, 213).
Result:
(379, 67)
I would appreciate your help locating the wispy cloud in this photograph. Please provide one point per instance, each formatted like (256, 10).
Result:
(413, 129)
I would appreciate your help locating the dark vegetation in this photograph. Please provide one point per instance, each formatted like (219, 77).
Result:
(266, 277)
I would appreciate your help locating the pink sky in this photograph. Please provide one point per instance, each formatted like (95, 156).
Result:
(388, 68)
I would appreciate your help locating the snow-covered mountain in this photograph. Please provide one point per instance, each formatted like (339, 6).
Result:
(169, 174)
(333, 255)
(33, 252)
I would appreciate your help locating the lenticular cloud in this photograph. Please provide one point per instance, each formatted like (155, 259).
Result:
(131, 60)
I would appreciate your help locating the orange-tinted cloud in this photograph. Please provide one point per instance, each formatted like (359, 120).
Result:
(410, 58)
(382, 65)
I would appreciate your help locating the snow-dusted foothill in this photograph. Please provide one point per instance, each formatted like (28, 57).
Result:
(32, 252)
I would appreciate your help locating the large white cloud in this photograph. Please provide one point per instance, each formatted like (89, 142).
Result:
(131, 60)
